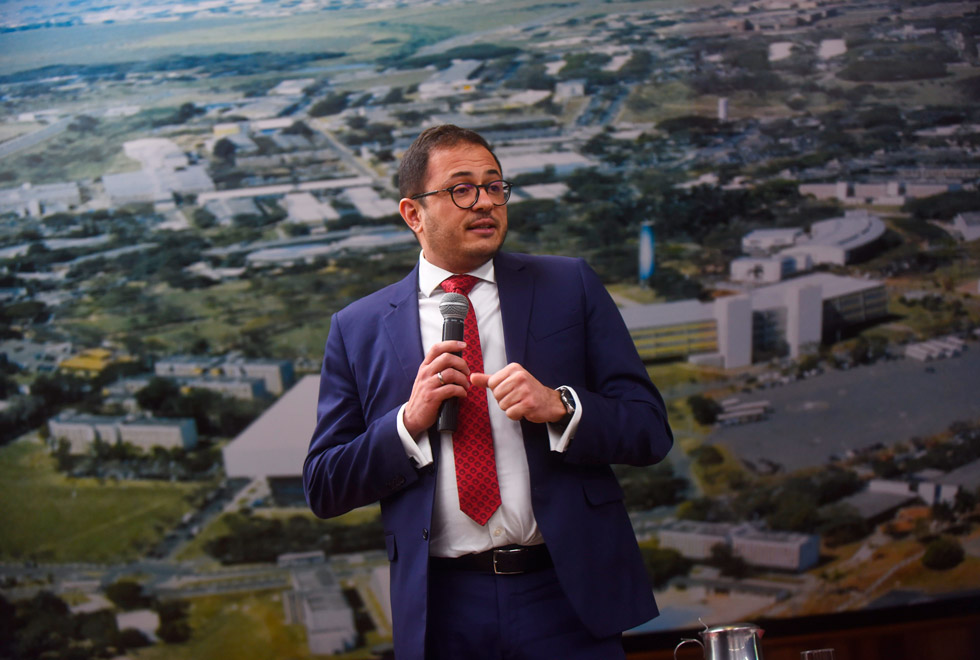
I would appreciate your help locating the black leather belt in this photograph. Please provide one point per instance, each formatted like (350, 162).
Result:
(506, 560)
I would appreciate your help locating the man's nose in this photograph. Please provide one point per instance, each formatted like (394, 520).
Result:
(483, 201)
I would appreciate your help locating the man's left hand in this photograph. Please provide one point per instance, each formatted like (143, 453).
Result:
(521, 395)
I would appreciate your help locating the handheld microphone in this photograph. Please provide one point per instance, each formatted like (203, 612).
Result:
(454, 307)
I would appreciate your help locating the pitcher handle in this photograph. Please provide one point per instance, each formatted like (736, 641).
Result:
(684, 641)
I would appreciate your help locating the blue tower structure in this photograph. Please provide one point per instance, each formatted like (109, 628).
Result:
(646, 253)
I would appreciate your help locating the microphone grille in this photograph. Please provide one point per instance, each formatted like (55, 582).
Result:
(454, 306)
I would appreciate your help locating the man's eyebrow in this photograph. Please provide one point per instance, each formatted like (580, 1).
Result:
(467, 173)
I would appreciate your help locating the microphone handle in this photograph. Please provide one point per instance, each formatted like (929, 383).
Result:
(452, 329)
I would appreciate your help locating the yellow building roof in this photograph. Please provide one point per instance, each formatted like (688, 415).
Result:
(90, 360)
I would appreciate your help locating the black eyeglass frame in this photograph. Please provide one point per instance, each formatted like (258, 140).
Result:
(507, 189)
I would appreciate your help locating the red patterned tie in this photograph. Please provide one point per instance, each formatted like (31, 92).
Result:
(476, 469)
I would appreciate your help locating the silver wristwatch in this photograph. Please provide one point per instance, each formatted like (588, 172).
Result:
(569, 402)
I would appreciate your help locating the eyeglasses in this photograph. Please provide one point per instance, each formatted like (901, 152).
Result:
(465, 195)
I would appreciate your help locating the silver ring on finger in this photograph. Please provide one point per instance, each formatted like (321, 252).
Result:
(439, 376)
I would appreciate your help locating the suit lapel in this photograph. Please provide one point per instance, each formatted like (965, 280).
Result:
(515, 287)
(405, 336)
(402, 325)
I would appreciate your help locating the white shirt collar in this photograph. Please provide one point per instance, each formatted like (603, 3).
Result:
(430, 276)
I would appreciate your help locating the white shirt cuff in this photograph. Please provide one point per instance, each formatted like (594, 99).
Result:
(419, 451)
(561, 439)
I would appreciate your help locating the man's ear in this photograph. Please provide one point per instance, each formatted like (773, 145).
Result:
(409, 211)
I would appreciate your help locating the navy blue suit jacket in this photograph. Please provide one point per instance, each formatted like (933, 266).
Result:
(562, 326)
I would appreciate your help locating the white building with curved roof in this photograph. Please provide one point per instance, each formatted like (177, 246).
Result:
(763, 241)
(836, 241)
(840, 240)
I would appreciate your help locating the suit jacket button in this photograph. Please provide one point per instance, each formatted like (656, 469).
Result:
(425, 534)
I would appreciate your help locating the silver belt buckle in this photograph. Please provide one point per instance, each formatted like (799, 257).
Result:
(501, 551)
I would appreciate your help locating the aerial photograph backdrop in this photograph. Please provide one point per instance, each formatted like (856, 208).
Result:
(780, 195)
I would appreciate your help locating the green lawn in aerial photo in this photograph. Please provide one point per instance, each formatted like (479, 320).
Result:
(47, 517)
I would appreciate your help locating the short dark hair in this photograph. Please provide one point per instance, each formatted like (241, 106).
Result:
(415, 163)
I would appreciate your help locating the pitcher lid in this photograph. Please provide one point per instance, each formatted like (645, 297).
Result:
(732, 627)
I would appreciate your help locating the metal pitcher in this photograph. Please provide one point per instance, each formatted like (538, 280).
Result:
(736, 641)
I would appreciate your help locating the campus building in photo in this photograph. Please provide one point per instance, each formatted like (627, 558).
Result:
(165, 170)
(81, 431)
(274, 446)
(37, 200)
(787, 317)
(785, 551)
(91, 362)
(276, 376)
(686, 328)
(777, 254)
(35, 357)
(317, 602)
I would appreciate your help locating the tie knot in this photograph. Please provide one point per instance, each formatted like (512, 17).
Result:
(459, 284)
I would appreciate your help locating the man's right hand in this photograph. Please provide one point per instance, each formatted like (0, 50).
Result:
(429, 391)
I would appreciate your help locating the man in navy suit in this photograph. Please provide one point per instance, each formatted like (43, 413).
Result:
(551, 568)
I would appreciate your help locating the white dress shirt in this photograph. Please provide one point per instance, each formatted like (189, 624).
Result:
(453, 533)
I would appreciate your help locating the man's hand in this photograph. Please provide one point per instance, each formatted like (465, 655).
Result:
(441, 375)
(521, 395)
